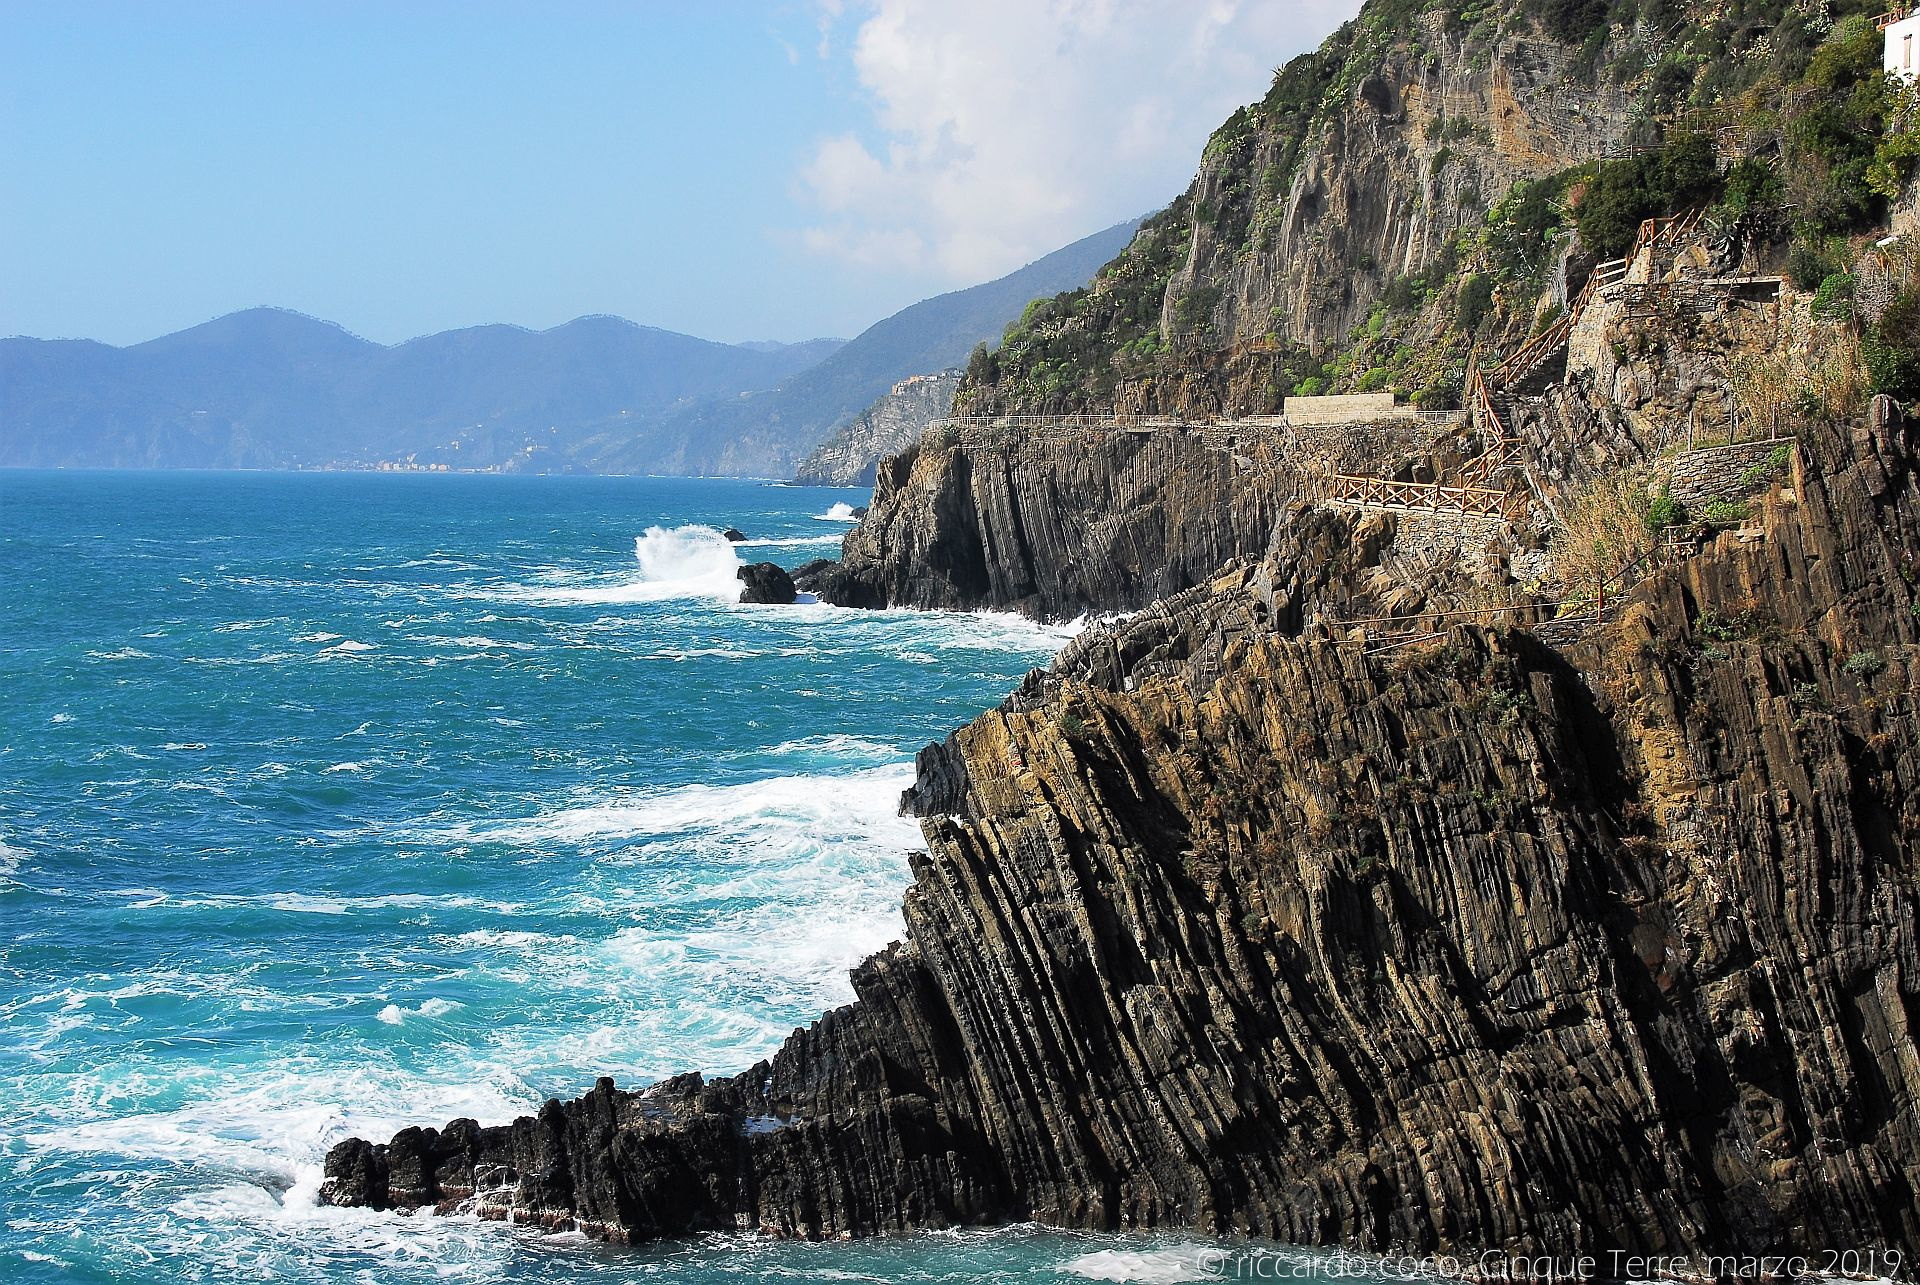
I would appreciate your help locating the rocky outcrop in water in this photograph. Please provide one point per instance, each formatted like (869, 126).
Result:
(1225, 923)
(766, 584)
(851, 457)
(1052, 528)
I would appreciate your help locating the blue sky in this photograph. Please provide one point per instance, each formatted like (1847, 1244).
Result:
(734, 170)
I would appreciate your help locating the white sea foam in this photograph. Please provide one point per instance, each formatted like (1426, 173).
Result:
(684, 562)
(61, 718)
(836, 805)
(839, 747)
(10, 858)
(1165, 1266)
(394, 1015)
(350, 647)
(770, 890)
(792, 541)
(841, 512)
(122, 653)
(306, 903)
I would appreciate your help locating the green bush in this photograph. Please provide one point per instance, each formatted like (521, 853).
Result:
(1891, 349)
(1810, 263)
(1833, 301)
(1865, 664)
(1719, 514)
(1474, 301)
(1675, 177)
(1750, 196)
(1569, 20)
(1831, 141)
(1664, 511)
(1311, 386)
(1778, 461)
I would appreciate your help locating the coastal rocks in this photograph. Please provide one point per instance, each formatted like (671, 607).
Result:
(1054, 526)
(733, 535)
(1225, 923)
(767, 583)
(852, 456)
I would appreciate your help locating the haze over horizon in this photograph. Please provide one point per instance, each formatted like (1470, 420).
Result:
(768, 171)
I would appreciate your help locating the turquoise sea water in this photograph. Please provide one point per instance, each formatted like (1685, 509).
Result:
(332, 803)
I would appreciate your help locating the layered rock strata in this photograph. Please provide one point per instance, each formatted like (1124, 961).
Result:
(1056, 524)
(1226, 923)
(852, 456)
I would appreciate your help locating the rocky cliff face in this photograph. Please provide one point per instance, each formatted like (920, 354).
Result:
(1050, 526)
(851, 457)
(1375, 160)
(1226, 923)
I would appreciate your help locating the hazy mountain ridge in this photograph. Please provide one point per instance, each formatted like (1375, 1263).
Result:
(271, 388)
(767, 433)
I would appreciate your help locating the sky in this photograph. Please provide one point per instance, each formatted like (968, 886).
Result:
(730, 169)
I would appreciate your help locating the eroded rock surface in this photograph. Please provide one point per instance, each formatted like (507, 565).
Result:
(1225, 923)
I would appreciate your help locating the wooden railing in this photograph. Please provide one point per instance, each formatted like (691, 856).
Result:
(1433, 497)
(1653, 232)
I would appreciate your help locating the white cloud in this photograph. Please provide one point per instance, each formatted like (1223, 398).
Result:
(1003, 129)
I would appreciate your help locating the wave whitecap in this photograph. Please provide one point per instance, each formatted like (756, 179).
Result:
(841, 512)
(793, 541)
(682, 562)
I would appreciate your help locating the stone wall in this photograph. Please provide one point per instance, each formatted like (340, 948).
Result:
(1349, 408)
(1716, 472)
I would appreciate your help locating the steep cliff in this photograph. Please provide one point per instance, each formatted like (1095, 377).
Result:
(1284, 908)
(851, 457)
(1226, 923)
(1031, 523)
(1407, 196)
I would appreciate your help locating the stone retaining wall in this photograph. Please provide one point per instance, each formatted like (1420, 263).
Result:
(1346, 408)
(1716, 472)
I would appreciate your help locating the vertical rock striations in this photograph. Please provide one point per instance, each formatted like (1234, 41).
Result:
(1225, 924)
(852, 456)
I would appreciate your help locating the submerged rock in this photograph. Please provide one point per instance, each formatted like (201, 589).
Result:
(766, 583)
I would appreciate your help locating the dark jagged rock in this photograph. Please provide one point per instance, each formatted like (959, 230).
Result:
(1225, 924)
(733, 535)
(767, 583)
(807, 576)
(1052, 530)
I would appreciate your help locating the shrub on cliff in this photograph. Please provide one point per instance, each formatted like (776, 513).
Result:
(1679, 176)
(1569, 20)
(1833, 301)
(1891, 349)
(1608, 525)
(1474, 301)
(1831, 140)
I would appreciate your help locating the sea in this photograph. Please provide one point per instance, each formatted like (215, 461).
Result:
(336, 802)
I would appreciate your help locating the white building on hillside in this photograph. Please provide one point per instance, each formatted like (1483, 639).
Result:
(1902, 57)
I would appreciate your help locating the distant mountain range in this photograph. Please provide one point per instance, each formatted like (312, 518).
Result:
(767, 433)
(268, 388)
